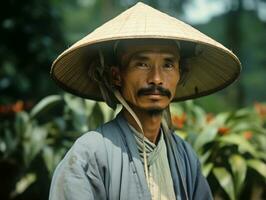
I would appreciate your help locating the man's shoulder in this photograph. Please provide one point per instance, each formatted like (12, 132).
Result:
(98, 133)
(89, 143)
(184, 147)
(99, 137)
(180, 142)
(108, 126)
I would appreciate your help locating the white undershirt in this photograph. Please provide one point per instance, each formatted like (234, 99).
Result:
(160, 179)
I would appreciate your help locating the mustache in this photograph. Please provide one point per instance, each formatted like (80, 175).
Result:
(154, 89)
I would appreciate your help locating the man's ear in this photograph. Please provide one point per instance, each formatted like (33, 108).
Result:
(116, 76)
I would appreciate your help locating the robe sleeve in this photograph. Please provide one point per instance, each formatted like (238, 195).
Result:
(80, 175)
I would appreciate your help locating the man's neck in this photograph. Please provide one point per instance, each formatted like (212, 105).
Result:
(151, 123)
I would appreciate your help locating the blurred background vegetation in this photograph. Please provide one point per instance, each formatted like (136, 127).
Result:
(38, 122)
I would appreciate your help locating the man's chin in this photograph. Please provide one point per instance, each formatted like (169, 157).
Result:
(151, 109)
(154, 111)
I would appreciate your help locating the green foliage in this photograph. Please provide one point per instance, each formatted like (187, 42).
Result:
(31, 37)
(230, 145)
(41, 137)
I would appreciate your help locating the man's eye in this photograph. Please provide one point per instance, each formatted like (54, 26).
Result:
(169, 65)
(142, 65)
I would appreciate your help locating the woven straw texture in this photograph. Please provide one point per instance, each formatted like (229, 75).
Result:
(212, 68)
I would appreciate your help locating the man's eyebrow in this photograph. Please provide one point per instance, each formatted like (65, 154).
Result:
(171, 58)
(140, 57)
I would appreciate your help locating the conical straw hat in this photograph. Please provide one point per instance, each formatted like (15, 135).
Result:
(212, 68)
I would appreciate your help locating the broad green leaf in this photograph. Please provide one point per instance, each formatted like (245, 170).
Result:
(23, 184)
(21, 123)
(225, 180)
(80, 122)
(200, 116)
(243, 126)
(206, 169)
(34, 144)
(97, 118)
(189, 105)
(243, 113)
(77, 104)
(192, 120)
(240, 141)
(48, 158)
(262, 155)
(10, 142)
(258, 129)
(108, 113)
(3, 146)
(52, 157)
(89, 105)
(208, 134)
(44, 105)
(118, 109)
(220, 119)
(203, 158)
(257, 165)
(259, 141)
(239, 169)
(57, 125)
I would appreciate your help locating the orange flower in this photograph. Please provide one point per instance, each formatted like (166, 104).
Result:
(248, 135)
(223, 130)
(5, 109)
(260, 109)
(179, 121)
(209, 117)
(18, 106)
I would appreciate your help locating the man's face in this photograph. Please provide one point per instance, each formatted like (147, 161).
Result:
(148, 75)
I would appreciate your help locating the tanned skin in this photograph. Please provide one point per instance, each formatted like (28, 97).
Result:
(147, 79)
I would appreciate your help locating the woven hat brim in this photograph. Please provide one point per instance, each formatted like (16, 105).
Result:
(213, 68)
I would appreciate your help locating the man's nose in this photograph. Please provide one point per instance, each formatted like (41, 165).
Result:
(155, 76)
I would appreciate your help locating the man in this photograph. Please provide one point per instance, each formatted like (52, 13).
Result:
(142, 59)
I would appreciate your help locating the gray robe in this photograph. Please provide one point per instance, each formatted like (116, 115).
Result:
(105, 164)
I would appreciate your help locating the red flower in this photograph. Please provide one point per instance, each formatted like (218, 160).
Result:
(179, 121)
(248, 135)
(223, 130)
(18, 106)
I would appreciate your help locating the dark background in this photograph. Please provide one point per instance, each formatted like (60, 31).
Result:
(33, 33)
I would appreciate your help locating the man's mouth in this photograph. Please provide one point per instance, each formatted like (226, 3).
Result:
(154, 90)
(153, 93)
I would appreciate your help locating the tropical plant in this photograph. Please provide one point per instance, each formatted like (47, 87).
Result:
(231, 147)
(32, 144)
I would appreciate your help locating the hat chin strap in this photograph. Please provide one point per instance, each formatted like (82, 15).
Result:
(127, 107)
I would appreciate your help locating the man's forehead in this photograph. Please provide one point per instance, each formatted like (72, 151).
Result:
(146, 54)
(165, 48)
